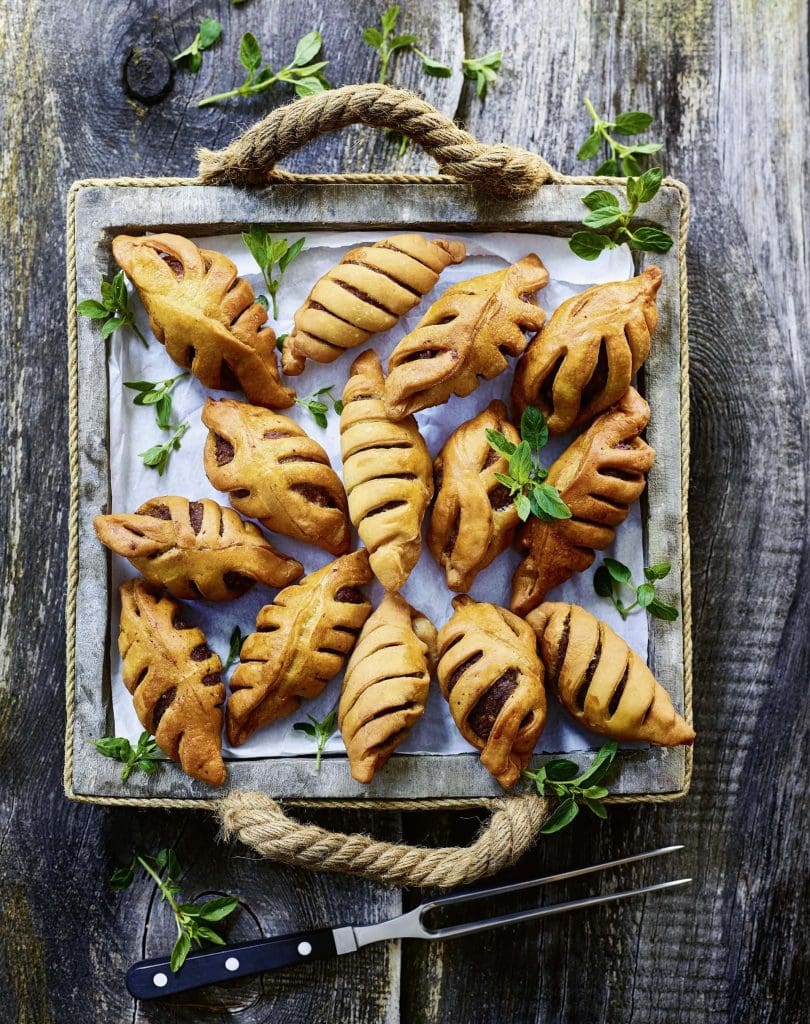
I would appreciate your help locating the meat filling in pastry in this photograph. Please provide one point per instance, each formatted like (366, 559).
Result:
(464, 336)
(585, 357)
(367, 292)
(474, 517)
(196, 549)
(205, 315)
(386, 684)
(598, 477)
(174, 679)
(300, 643)
(276, 473)
(491, 676)
(388, 474)
(602, 682)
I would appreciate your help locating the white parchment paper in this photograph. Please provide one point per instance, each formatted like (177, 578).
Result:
(133, 430)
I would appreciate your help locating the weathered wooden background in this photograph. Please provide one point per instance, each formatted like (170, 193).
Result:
(728, 83)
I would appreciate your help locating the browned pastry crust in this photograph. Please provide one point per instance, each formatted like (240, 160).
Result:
(273, 471)
(205, 315)
(601, 681)
(585, 357)
(464, 336)
(174, 679)
(493, 680)
(196, 549)
(388, 474)
(474, 518)
(386, 684)
(300, 643)
(599, 476)
(367, 292)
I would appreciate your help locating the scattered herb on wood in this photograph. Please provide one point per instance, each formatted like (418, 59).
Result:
(385, 41)
(235, 649)
(317, 408)
(612, 575)
(112, 308)
(157, 457)
(482, 70)
(526, 477)
(318, 732)
(562, 778)
(207, 34)
(621, 158)
(193, 920)
(157, 393)
(271, 254)
(145, 757)
(303, 72)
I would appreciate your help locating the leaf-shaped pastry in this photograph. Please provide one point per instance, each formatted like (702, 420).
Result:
(493, 681)
(367, 292)
(196, 549)
(602, 682)
(273, 471)
(474, 517)
(388, 474)
(300, 643)
(174, 679)
(599, 476)
(386, 684)
(465, 335)
(205, 315)
(585, 357)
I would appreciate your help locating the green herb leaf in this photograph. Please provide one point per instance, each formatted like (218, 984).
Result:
(501, 443)
(651, 240)
(250, 53)
(507, 481)
(482, 70)
(645, 594)
(600, 199)
(659, 610)
(659, 571)
(600, 764)
(269, 254)
(307, 48)
(603, 582)
(431, 67)
(180, 951)
(634, 122)
(610, 169)
(92, 309)
(520, 463)
(235, 648)
(598, 809)
(561, 770)
(373, 37)
(319, 732)
(533, 428)
(523, 506)
(590, 147)
(561, 817)
(157, 457)
(649, 184)
(602, 217)
(210, 31)
(587, 244)
(219, 908)
(305, 727)
(122, 878)
(549, 500)
(618, 570)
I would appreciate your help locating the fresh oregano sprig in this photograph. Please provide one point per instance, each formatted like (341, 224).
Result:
(482, 70)
(144, 757)
(112, 307)
(271, 255)
(157, 457)
(385, 41)
(612, 575)
(621, 158)
(157, 393)
(193, 920)
(574, 789)
(207, 34)
(235, 649)
(318, 732)
(526, 477)
(317, 408)
(303, 72)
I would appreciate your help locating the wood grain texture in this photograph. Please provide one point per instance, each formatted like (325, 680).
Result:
(728, 80)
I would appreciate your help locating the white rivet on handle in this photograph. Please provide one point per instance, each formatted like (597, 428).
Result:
(304, 948)
(231, 964)
(160, 980)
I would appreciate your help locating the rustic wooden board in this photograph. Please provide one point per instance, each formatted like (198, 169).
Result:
(729, 82)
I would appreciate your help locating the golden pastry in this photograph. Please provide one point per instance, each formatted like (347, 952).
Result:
(274, 472)
(205, 315)
(367, 292)
(585, 357)
(474, 518)
(598, 477)
(174, 679)
(602, 682)
(493, 680)
(196, 549)
(464, 336)
(386, 684)
(388, 474)
(300, 643)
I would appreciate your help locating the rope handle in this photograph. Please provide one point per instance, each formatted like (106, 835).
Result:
(260, 823)
(250, 159)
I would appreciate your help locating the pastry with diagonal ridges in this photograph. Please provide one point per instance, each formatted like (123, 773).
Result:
(367, 292)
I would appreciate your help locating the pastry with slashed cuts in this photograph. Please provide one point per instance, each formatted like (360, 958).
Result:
(585, 357)
(367, 292)
(174, 679)
(466, 335)
(301, 642)
(386, 684)
(474, 517)
(274, 472)
(602, 682)
(196, 549)
(493, 681)
(388, 474)
(205, 315)
(599, 477)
